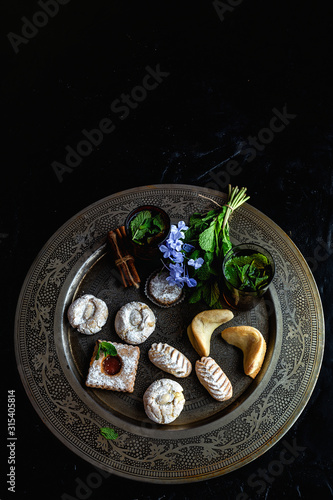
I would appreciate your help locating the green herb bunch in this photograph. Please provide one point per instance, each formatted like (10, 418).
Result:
(209, 234)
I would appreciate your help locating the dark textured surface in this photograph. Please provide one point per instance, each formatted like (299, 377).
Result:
(225, 76)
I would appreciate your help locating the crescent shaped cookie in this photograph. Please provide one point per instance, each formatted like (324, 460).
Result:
(88, 314)
(212, 377)
(251, 342)
(202, 327)
(164, 401)
(170, 360)
(135, 322)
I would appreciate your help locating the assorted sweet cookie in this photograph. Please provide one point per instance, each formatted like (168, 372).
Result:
(252, 344)
(212, 377)
(113, 366)
(164, 401)
(88, 314)
(135, 322)
(202, 327)
(161, 292)
(170, 360)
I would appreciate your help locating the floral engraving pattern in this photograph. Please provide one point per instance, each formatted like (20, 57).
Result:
(213, 448)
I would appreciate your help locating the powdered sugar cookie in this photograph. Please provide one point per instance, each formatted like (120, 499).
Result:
(135, 322)
(164, 401)
(160, 292)
(88, 314)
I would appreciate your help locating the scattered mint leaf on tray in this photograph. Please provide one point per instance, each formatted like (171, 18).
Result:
(108, 433)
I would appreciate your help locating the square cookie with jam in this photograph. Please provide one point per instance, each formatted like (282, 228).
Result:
(113, 366)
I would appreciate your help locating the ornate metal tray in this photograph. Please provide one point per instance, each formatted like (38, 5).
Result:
(209, 438)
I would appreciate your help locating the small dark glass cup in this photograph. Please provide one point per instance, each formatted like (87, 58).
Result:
(147, 250)
(244, 299)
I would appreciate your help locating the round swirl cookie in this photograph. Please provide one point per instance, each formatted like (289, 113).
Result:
(88, 314)
(134, 322)
(164, 401)
(170, 360)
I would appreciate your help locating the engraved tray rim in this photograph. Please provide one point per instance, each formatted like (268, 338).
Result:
(154, 455)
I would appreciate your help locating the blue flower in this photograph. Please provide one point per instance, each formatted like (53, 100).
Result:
(176, 275)
(175, 244)
(174, 250)
(177, 232)
(187, 247)
(166, 251)
(196, 263)
(191, 282)
(177, 257)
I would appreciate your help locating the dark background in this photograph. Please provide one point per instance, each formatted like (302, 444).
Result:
(227, 72)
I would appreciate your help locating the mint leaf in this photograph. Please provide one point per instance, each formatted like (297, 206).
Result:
(196, 295)
(159, 222)
(140, 225)
(207, 239)
(260, 282)
(231, 274)
(211, 293)
(203, 273)
(107, 348)
(108, 433)
(260, 260)
(226, 243)
(242, 272)
(195, 254)
(139, 219)
(200, 221)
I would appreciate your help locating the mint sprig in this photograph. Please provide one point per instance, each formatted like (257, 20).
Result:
(107, 348)
(108, 433)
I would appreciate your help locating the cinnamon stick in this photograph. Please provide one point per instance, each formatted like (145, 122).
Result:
(123, 259)
(117, 255)
(124, 242)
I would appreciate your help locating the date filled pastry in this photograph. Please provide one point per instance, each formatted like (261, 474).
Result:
(164, 401)
(170, 360)
(88, 314)
(116, 372)
(134, 322)
(212, 377)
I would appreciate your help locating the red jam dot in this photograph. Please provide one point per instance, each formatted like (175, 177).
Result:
(111, 365)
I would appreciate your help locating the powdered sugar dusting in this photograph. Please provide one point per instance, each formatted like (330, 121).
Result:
(122, 381)
(162, 291)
